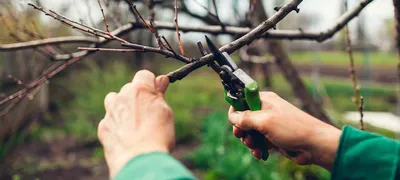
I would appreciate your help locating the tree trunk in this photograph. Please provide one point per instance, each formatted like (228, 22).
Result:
(396, 5)
(287, 68)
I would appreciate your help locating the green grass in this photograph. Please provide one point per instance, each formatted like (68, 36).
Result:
(342, 58)
(340, 93)
(85, 111)
(193, 98)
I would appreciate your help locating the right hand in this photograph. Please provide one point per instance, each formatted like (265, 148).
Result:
(287, 128)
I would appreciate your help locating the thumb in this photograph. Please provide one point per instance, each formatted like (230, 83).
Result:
(249, 120)
(162, 83)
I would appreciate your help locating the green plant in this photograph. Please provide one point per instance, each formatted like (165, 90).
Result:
(89, 87)
(340, 58)
(192, 99)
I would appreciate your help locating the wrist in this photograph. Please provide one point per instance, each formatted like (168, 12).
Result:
(324, 145)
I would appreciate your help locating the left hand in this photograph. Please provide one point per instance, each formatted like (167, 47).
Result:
(138, 120)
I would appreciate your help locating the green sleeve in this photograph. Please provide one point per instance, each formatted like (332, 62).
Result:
(154, 166)
(363, 155)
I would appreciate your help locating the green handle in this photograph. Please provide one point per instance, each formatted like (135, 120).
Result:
(252, 102)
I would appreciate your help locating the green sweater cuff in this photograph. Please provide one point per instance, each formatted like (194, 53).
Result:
(155, 165)
(363, 155)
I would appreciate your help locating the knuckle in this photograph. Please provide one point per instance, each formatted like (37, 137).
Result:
(244, 117)
(167, 110)
(101, 128)
(269, 94)
(126, 87)
(110, 99)
(146, 73)
(110, 96)
(141, 87)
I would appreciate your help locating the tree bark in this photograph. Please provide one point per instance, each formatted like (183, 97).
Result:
(287, 68)
(396, 4)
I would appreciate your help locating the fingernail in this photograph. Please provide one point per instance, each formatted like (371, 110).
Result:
(164, 82)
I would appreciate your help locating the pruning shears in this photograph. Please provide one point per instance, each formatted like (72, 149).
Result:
(241, 91)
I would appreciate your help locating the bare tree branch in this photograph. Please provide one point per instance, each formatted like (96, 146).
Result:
(192, 64)
(104, 16)
(109, 49)
(153, 24)
(49, 41)
(178, 34)
(353, 75)
(235, 45)
(319, 36)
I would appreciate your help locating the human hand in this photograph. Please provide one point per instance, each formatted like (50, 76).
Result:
(288, 129)
(138, 120)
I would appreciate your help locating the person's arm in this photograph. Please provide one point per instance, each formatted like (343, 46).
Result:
(348, 154)
(363, 155)
(137, 132)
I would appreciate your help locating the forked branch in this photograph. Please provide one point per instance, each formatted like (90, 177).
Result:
(319, 36)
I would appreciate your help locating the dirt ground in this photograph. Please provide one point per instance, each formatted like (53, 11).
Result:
(67, 158)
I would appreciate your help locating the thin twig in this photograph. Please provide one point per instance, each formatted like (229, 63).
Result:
(79, 26)
(104, 16)
(215, 16)
(49, 41)
(164, 52)
(71, 23)
(141, 18)
(178, 34)
(169, 46)
(353, 75)
(153, 24)
(109, 49)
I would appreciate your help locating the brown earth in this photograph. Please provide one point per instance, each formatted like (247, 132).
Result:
(68, 158)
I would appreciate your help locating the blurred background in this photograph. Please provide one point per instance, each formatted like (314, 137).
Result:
(50, 132)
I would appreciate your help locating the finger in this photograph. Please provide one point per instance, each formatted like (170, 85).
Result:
(257, 153)
(162, 83)
(238, 132)
(103, 132)
(270, 145)
(126, 88)
(268, 95)
(249, 120)
(144, 78)
(231, 110)
(109, 101)
(249, 142)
